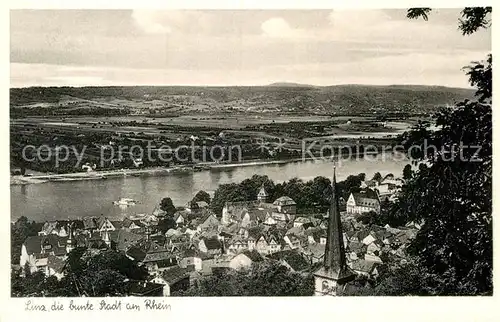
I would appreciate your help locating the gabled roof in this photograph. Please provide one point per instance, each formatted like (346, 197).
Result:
(202, 204)
(124, 238)
(212, 243)
(55, 263)
(296, 231)
(262, 192)
(316, 250)
(284, 201)
(362, 200)
(141, 288)
(253, 255)
(357, 247)
(292, 258)
(362, 265)
(89, 223)
(181, 213)
(302, 220)
(57, 244)
(148, 251)
(117, 224)
(258, 214)
(206, 215)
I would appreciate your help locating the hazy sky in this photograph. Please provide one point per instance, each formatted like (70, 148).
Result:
(246, 47)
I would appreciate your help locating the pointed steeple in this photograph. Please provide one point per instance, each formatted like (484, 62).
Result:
(69, 242)
(262, 195)
(334, 272)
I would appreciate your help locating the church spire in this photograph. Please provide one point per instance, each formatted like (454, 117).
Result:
(334, 272)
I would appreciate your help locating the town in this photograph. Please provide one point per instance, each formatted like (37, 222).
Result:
(281, 153)
(201, 242)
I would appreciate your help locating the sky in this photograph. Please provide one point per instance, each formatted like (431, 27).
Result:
(239, 47)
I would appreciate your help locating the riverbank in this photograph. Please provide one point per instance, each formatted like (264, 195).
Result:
(102, 175)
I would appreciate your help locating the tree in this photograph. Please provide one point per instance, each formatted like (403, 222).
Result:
(452, 192)
(201, 196)
(377, 177)
(166, 223)
(167, 205)
(98, 274)
(19, 231)
(367, 218)
(407, 172)
(262, 279)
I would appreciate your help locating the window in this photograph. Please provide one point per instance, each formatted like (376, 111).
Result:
(324, 286)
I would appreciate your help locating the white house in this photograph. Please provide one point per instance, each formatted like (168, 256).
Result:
(359, 203)
(245, 260)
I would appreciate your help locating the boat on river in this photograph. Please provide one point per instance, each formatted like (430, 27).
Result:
(125, 202)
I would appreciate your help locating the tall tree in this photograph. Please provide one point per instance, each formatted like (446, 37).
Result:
(201, 196)
(452, 192)
(167, 205)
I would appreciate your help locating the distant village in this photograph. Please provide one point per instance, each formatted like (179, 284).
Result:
(247, 232)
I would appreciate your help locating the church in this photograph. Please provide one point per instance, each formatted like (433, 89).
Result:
(332, 278)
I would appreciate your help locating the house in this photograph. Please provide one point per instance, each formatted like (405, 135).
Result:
(234, 211)
(181, 217)
(207, 222)
(245, 259)
(314, 253)
(151, 255)
(214, 265)
(361, 202)
(236, 245)
(274, 245)
(292, 241)
(369, 238)
(286, 204)
(36, 250)
(282, 217)
(293, 260)
(356, 248)
(191, 258)
(315, 235)
(54, 227)
(262, 195)
(89, 223)
(364, 268)
(143, 288)
(104, 224)
(130, 224)
(261, 245)
(55, 266)
(300, 221)
(270, 220)
(122, 239)
(374, 247)
(373, 258)
(210, 246)
(202, 204)
(195, 206)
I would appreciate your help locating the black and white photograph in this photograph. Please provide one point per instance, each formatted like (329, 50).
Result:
(250, 153)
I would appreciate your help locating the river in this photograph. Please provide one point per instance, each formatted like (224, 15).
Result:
(63, 200)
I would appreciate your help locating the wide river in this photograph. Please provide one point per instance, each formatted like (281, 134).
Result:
(62, 200)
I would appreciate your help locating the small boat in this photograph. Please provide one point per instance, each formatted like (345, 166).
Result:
(125, 202)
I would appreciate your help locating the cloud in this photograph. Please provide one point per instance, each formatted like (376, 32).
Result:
(150, 21)
(238, 46)
(276, 27)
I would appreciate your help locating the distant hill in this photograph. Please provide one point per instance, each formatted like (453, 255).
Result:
(286, 84)
(277, 97)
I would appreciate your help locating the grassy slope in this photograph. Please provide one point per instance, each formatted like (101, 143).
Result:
(286, 98)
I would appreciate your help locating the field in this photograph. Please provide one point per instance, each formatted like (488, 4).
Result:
(267, 123)
(288, 100)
